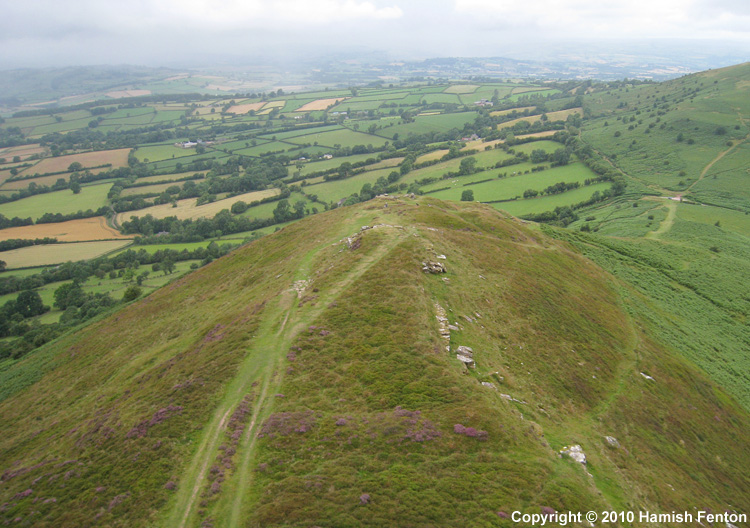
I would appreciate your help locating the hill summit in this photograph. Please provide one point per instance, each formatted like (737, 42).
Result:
(401, 362)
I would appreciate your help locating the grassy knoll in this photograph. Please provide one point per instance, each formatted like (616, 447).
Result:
(229, 398)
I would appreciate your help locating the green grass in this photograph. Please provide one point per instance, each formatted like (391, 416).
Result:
(549, 203)
(345, 138)
(512, 186)
(64, 202)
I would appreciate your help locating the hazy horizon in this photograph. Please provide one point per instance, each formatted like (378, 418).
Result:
(43, 33)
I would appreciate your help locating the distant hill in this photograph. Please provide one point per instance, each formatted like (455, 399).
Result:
(312, 378)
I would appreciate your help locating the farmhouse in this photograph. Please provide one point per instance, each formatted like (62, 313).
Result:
(483, 102)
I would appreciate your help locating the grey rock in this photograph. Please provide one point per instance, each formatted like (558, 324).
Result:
(612, 442)
(575, 452)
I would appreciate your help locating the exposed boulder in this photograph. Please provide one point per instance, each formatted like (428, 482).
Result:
(612, 442)
(466, 360)
(575, 452)
(433, 267)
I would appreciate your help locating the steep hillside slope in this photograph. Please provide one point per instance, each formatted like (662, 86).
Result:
(305, 380)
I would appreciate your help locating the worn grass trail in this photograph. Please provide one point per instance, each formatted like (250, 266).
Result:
(667, 223)
(261, 368)
(233, 507)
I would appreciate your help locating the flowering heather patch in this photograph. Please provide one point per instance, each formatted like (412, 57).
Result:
(470, 432)
(341, 421)
(215, 334)
(117, 500)
(286, 423)
(159, 416)
(364, 498)
(547, 511)
(10, 474)
(401, 425)
(23, 494)
(171, 485)
(503, 515)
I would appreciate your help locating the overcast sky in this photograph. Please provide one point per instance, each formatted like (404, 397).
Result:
(168, 32)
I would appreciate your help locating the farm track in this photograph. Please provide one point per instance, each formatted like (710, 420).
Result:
(667, 223)
(261, 366)
(715, 160)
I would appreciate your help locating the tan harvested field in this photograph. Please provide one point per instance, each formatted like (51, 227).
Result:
(117, 158)
(481, 145)
(244, 108)
(82, 230)
(117, 94)
(526, 89)
(312, 181)
(431, 156)
(546, 133)
(505, 112)
(47, 255)
(320, 104)
(23, 151)
(461, 89)
(188, 209)
(562, 115)
(429, 113)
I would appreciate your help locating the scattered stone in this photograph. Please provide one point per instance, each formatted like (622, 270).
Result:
(575, 452)
(446, 280)
(482, 277)
(469, 362)
(453, 328)
(511, 398)
(442, 318)
(469, 319)
(465, 351)
(647, 376)
(365, 228)
(433, 267)
(612, 442)
(442, 257)
(489, 385)
(477, 314)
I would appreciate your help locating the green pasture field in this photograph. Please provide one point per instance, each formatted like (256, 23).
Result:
(727, 182)
(171, 164)
(433, 123)
(461, 89)
(355, 106)
(154, 153)
(729, 220)
(548, 203)
(345, 138)
(441, 98)
(546, 145)
(302, 132)
(147, 189)
(531, 97)
(63, 126)
(64, 202)
(511, 187)
(619, 218)
(315, 166)
(265, 210)
(262, 148)
(335, 190)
